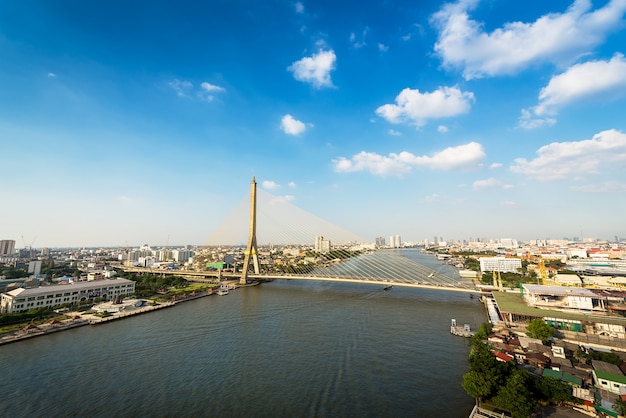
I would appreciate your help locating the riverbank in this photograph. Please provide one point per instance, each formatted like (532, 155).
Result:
(53, 326)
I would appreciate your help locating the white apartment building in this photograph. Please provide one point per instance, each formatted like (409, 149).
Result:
(395, 241)
(322, 245)
(501, 264)
(21, 300)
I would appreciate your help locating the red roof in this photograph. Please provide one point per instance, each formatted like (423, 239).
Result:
(502, 356)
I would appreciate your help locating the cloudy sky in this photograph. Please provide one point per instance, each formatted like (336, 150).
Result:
(123, 123)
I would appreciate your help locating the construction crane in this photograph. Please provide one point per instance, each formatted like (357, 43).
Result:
(497, 280)
(543, 272)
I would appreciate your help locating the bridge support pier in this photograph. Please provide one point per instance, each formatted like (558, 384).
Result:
(251, 250)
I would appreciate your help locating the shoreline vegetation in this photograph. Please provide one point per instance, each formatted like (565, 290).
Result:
(151, 293)
(500, 386)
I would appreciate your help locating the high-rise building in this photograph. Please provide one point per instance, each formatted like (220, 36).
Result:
(395, 241)
(380, 241)
(7, 246)
(322, 245)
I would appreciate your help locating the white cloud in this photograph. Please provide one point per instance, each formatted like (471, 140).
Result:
(393, 132)
(299, 7)
(291, 184)
(582, 81)
(509, 203)
(383, 47)
(281, 200)
(495, 165)
(181, 87)
(490, 183)
(361, 41)
(559, 160)
(315, 69)
(606, 187)
(292, 126)
(529, 121)
(432, 198)
(270, 185)
(207, 91)
(452, 158)
(554, 37)
(442, 129)
(52, 75)
(415, 107)
(184, 88)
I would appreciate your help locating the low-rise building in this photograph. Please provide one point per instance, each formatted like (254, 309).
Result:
(22, 299)
(609, 377)
(557, 297)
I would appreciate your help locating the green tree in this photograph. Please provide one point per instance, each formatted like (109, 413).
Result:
(537, 328)
(515, 396)
(477, 385)
(554, 390)
(486, 373)
(485, 329)
(619, 406)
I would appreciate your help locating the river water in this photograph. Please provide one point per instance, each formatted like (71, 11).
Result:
(281, 349)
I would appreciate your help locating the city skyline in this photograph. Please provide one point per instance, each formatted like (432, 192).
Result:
(130, 124)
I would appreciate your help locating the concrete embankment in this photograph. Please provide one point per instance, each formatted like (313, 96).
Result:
(53, 326)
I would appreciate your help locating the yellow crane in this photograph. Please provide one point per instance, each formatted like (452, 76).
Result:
(543, 272)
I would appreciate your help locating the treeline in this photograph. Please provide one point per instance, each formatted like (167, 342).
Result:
(150, 284)
(24, 317)
(506, 387)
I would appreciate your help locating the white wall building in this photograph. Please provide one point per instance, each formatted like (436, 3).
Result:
(395, 241)
(322, 245)
(21, 300)
(501, 264)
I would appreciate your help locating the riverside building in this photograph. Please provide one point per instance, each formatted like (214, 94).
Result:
(501, 264)
(21, 300)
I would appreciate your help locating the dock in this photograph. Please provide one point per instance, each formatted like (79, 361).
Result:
(461, 331)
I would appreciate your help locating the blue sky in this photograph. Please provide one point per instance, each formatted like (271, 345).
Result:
(123, 123)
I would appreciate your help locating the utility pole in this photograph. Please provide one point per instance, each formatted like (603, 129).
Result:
(251, 249)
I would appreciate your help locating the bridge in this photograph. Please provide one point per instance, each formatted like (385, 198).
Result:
(354, 261)
(432, 283)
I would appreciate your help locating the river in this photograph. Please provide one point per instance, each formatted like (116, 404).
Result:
(281, 349)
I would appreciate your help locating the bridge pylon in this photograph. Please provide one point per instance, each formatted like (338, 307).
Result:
(251, 249)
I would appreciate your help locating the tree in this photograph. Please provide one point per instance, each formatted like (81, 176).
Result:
(486, 373)
(515, 396)
(481, 333)
(537, 328)
(477, 385)
(619, 406)
(554, 390)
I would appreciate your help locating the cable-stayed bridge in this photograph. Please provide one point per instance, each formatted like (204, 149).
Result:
(287, 243)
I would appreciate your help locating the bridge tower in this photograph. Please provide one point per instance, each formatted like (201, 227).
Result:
(251, 249)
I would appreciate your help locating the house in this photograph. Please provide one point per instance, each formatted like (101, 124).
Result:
(500, 356)
(609, 377)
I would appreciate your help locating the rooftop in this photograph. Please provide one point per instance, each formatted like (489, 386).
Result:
(65, 287)
(513, 303)
(559, 290)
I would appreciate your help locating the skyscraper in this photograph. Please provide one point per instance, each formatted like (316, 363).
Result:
(7, 246)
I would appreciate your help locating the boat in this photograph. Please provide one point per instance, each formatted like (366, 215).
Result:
(222, 292)
(387, 287)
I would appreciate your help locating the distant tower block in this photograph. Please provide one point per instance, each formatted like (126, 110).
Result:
(251, 249)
